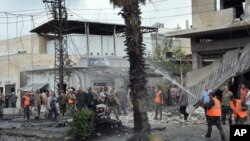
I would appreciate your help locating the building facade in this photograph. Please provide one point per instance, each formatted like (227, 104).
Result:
(219, 33)
(97, 60)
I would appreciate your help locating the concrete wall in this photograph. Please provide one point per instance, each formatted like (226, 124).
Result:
(24, 43)
(19, 63)
(205, 14)
(220, 45)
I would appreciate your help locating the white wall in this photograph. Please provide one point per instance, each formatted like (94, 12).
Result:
(102, 45)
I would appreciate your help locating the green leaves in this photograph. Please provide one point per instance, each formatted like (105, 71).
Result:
(82, 125)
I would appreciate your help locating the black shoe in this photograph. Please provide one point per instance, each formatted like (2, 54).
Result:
(205, 136)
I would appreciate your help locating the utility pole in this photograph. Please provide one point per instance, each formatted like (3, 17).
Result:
(59, 13)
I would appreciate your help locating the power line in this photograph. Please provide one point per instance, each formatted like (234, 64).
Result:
(42, 16)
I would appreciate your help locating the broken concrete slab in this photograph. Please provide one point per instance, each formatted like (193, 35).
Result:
(11, 111)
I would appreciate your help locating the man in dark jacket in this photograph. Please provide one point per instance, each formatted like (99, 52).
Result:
(89, 99)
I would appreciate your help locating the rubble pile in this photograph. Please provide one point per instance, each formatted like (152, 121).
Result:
(170, 116)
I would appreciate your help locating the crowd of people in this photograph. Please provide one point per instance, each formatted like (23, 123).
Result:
(118, 101)
(228, 106)
(68, 103)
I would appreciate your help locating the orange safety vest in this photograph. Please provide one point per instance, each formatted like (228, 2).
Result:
(237, 109)
(158, 98)
(26, 100)
(215, 111)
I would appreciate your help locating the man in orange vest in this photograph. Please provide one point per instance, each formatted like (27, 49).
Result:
(26, 105)
(239, 110)
(213, 116)
(158, 101)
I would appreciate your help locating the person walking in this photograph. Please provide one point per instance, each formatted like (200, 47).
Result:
(213, 116)
(183, 103)
(158, 102)
(239, 110)
(26, 104)
(226, 110)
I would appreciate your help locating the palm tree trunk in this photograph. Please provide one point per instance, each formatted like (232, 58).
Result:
(136, 51)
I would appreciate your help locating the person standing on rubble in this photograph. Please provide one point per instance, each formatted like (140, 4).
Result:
(213, 116)
(38, 102)
(89, 99)
(71, 101)
(158, 102)
(26, 105)
(112, 104)
(205, 98)
(183, 103)
(226, 110)
(54, 112)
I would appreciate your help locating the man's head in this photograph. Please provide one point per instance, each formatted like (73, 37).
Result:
(211, 94)
(206, 87)
(226, 88)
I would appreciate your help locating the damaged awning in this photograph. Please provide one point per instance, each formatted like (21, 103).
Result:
(33, 87)
(233, 63)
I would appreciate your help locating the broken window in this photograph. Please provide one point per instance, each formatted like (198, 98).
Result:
(237, 4)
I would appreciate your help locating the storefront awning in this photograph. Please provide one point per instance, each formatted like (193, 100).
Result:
(33, 87)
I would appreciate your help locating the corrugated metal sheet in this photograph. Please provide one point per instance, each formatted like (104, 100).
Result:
(233, 63)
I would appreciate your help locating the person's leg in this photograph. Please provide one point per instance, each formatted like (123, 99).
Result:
(229, 113)
(28, 112)
(116, 113)
(218, 125)
(209, 127)
(156, 111)
(224, 115)
(39, 110)
(185, 113)
(160, 111)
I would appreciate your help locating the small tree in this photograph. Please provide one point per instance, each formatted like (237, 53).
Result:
(82, 125)
(170, 64)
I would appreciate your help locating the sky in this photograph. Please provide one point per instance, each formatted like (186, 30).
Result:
(16, 19)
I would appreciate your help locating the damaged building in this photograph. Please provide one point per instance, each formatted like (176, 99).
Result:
(96, 52)
(220, 32)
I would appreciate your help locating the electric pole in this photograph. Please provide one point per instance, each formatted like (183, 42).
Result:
(59, 12)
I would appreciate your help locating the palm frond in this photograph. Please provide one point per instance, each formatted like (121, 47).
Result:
(123, 3)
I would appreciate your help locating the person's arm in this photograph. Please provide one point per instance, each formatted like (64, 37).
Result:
(210, 104)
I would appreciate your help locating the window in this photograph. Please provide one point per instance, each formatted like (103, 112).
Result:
(237, 4)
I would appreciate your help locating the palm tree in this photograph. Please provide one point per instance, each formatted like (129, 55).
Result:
(135, 50)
